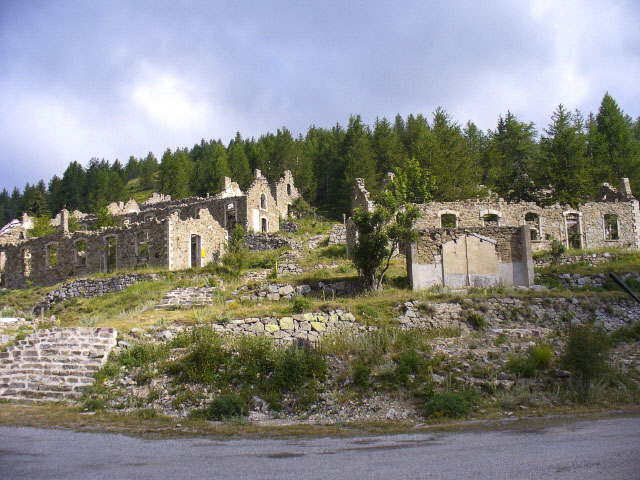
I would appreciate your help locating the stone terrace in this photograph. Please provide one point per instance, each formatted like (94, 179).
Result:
(57, 364)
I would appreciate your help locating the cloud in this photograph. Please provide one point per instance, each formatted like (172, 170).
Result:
(88, 79)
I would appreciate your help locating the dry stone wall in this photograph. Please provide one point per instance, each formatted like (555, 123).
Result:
(338, 235)
(87, 287)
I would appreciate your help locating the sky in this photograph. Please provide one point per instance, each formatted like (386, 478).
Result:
(111, 79)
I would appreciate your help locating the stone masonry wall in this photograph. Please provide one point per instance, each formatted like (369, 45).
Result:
(552, 223)
(285, 193)
(255, 210)
(338, 235)
(508, 246)
(212, 240)
(89, 287)
(31, 260)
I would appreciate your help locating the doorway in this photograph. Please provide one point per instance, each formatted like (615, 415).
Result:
(110, 254)
(196, 255)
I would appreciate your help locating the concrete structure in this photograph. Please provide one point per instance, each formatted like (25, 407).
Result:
(477, 257)
(164, 233)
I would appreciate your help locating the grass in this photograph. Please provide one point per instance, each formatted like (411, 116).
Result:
(120, 310)
(135, 191)
(622, 261)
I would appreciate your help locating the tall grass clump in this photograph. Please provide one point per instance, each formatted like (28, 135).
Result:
(585, 354)
(539, 357)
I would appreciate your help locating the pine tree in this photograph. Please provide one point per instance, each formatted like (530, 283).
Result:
(175, 173)
(616, 151)
(445, 153)
(513, 158)
(358, 156)
(239, 163)
(387, 147)
(565, 170)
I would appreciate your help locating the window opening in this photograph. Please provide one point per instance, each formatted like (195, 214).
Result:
(533, 220)
(263, 201)
(611, 227)
(448, 220)
(142, 247)
(264, 225)
(111, 252)
(81, 253)
(289, 189)
(574, 238)
(490, 220)
(3, 264)
(52, 255)
(231, 217)
(196, 252)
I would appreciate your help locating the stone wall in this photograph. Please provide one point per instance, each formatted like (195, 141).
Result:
(305, 327)
(158, 243)
(285, 193)
(480, 256)
(209, 237)
(56, 364)
(338, 235)
(360, 197)
(546, 223)
(552, 221)
(89, 287)
(578, 280)
(262, 209)
(259, 242)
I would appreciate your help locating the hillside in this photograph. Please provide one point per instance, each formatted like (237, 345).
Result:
(291, 339)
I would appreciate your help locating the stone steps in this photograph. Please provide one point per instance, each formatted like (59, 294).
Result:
(54, 365)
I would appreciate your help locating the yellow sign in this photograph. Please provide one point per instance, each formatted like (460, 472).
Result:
(204, 253)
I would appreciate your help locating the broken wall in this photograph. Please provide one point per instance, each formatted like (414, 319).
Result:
(285, 193)
(476, 256)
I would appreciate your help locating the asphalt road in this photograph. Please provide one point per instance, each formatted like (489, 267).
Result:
(602, 449)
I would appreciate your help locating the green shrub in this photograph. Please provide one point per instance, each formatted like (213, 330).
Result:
(477, 321)
(301, 304)
(227, 406)
(94, 404)
(630, 333)
(586, 353)
(408, 363)
(147, 413)
(203, 362)
(141, 354)
(361, 375)
(297, 366)
(557, 250)
(539, 357)
(448, 404)
(500, 339)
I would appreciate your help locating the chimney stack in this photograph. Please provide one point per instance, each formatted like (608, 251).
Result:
(257, 174)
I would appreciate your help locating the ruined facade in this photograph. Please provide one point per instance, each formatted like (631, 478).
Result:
(169, 243)
(161, 233)
(471, 257)
(611, 221)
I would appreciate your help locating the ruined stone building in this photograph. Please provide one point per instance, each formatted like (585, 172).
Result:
(162, 233)
(485, 242)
